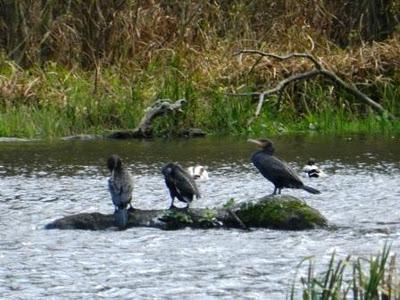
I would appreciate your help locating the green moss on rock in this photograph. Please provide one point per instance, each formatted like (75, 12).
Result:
(280, 212)
(176, 219)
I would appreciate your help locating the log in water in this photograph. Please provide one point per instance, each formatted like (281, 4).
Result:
(275, 212)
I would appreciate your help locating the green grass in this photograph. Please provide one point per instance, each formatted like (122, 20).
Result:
(362, 279)
(51, 102)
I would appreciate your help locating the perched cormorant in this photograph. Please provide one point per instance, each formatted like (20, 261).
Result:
(312, 170)
(275, 170)
(120, 185)
(198, 172)
(180, 184)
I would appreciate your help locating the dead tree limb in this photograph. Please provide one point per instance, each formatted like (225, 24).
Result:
(161, 107)
(319, 69)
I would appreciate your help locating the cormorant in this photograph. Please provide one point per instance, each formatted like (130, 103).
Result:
(276, 170)
(312, 170)
(120, 185)
(198, 172)
(180, 184)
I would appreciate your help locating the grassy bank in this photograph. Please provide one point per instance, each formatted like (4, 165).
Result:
(88, 67)
(53, 101)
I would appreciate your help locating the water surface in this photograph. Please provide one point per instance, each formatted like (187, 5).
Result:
(42, 181)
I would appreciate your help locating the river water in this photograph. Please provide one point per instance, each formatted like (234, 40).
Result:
(42, 181)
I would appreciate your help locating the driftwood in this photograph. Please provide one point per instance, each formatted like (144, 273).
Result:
(275, 212)
(319, 69)
(161, 107)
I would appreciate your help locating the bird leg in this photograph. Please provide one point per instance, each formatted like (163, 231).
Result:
(172, 206)
(131, 209)
(275, 189)
(279, 191)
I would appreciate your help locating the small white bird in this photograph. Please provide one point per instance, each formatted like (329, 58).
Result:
(312, 170)
(198, 172)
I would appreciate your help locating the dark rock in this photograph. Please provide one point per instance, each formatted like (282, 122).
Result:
(88, 221)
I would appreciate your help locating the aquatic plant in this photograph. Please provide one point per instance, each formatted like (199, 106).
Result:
(369, 279)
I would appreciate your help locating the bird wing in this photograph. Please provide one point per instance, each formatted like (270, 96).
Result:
(184, 183)
(277, 170)
(121, 188)
(126, 188)
(284, 171)
(114, 191)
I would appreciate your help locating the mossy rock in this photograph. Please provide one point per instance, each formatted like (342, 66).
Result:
(280, 212)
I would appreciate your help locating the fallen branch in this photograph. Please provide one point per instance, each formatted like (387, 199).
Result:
(237, 219)
(319, 70)
(161, 107)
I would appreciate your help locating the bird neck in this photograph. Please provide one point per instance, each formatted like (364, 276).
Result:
(268, 150)
(117, 170)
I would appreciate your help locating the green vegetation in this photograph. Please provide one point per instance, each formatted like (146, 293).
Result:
(176, 220)
(378, 281)
(91, 66)
(283, 212)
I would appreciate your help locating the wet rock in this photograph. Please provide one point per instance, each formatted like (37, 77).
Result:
(88, 221)
(279, 212)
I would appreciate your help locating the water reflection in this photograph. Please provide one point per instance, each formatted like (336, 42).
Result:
(43, 181)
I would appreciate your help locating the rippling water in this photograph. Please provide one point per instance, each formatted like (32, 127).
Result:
(40, 182)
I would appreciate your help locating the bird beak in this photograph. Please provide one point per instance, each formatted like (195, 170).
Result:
(257, 142)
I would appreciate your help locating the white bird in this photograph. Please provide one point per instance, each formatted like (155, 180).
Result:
(312, 170)
(198, 172)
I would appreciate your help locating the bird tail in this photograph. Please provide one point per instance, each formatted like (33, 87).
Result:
(311, 190)
(121, 217)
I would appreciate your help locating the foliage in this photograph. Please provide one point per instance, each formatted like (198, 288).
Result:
(112, 32)
(69, 67)
(372, 279)
(230, 203)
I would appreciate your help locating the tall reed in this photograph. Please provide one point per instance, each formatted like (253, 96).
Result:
(359, 279)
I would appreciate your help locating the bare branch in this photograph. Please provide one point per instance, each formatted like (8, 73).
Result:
(319, 70)
(357, 93)
(311, 57)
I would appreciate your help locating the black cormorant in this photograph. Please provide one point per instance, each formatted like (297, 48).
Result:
(312, 170)
(198, 172)
(180, 184)
(120, 185)
(275, 170)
